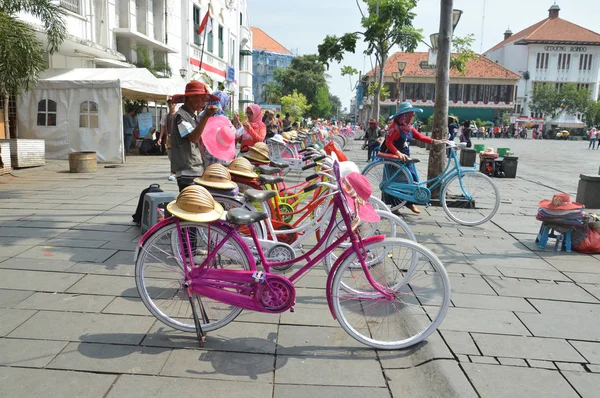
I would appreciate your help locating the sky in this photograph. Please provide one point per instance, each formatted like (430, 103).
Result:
(301, 25)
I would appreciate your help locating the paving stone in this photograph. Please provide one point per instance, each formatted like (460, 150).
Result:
(533, 274)
(106, 285)
(11, 240)
(36, 280)
(259, 317)
(126, 306)
(73, 254)
(123, 257)
(28, 353)
(95, 328)
(13, 250)
(118, 245)
(586, 384)
(101, 235)
(593, 368)
(521, 263)
(471, 269)
(484, 321)
(512, 362)
(103, 268)
(491, 302)
(591, 351)
(43, 264)
(567, 292)
(564, 307)
(434, 379)
(319, 341)
(302, 391)
(23, 382)
(80, 243)
(583, 277)
(534, 363)
(357, 371)
(460, 342)
(128, 386)
(111, 358)
(569, 366)
(10, 298)
(526, 347)
(524, 382)
(463, 358)
(471, 285)
(65, 302)
(581, 265)
(592, 289)
(230, 366)
(16, 232)
(480, 359)
(61, 215)
(313, 282)
(51, 224)
(577, 327)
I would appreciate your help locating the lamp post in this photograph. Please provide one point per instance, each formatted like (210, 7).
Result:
(398, 77)
(449, 18)
(183, 72)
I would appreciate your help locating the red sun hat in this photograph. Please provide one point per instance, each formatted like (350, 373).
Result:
(195, 87)
(560, 201)
(357, 190)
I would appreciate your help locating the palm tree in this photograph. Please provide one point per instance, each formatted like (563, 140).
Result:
(21, 54)
(144, 60)
(271, 92)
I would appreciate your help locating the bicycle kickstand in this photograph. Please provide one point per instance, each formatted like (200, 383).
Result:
(199, 332)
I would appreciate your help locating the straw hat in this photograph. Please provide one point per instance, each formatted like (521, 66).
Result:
(195, 204)
(560, 201)
(286, 135)
(216, 176)
(259, 152)
(242, 167)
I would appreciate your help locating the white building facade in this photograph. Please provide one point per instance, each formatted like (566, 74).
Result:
(550, 51)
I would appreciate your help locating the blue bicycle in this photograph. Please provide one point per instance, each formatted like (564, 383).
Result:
(467, 196)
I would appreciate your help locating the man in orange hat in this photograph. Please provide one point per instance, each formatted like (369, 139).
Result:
(186, 130)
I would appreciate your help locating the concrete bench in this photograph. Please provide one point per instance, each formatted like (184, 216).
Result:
(588, 191)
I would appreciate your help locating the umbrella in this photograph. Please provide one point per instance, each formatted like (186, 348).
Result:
(488, 123)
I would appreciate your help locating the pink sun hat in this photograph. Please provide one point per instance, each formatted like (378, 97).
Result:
(358, 191)
(219, 138)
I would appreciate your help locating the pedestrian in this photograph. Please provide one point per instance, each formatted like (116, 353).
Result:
(253, 130)
(593, 134)
(165, 136)
(466, 133)
(373, 139)
(287, 122)
(128, 126)
(186, 132)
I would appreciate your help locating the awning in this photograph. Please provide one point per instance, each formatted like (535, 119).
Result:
(566, 120)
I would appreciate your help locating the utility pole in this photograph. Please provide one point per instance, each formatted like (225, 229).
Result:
(437, 153)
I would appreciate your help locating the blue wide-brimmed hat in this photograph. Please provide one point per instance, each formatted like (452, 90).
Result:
(405, 107)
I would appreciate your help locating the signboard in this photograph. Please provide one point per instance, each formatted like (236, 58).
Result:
(230, 74)
(144, 123)
(271, 107)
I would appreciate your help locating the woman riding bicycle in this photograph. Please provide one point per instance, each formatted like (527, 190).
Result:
(400, 133)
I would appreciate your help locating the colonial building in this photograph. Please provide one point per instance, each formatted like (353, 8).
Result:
(485, 90)
(267, 55)
(551, 51)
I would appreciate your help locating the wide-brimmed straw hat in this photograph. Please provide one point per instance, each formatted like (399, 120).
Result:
(242, 167)
(560, 201)
(195, 88)
(194, 203)
(278, 138)
(216, 176)
(286, 135)
(357, 191)
(259, 152)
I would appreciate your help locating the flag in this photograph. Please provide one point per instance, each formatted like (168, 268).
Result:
(206, 23)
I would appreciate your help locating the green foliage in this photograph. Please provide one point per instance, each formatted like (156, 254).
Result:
(348, 70)
(321, 107)
(272, 92)
(384, 92)
(144, 60)
(462, 53)
(576, 101)
(336, 106)
(546, 98)
(134, 105)
(593, 113)
(295, 104)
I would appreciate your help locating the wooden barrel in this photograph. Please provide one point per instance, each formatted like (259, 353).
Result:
(82, 162)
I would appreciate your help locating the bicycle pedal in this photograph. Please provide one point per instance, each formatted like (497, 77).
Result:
(259, 276)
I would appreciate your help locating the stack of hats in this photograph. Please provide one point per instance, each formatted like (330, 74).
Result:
(489, 153)
(241, 167)
(560, 210)
(216, 179)
(196, 204)
(259, 153)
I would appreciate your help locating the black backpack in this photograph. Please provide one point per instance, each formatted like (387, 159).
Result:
(137, 216)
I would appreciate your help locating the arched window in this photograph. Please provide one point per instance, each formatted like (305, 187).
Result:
(88, 115)
(46, 114)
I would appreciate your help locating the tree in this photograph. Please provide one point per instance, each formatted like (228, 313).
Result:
(294, 104)
(384, 91)
(461, 47)
(272, 92)
(548, 99)
(386, 23)
(305, 74)
(144, 60)
(336, 105)
(321, 106)
(21, 54)
(349, 71)
(593, 113)
(544, 98)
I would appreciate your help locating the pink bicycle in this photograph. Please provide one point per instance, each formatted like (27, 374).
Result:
(386, 293)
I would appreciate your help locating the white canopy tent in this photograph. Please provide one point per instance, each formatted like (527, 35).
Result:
(566, 120)
(86, 104)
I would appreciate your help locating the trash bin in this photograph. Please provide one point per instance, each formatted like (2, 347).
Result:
(502, 152)
(588, 191)
(510, 166)
(468, 157)
(479, 148)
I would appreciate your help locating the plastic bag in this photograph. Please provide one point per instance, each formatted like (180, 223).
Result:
(591, 244)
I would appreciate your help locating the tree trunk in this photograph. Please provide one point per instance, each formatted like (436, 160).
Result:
(378, 90)
(437, 153)
(6, 119)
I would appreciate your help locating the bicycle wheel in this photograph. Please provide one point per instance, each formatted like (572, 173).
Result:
(229, 203)
(159, 275)
(390, 225)
(421, 295)
(470, 199)
(380, 173)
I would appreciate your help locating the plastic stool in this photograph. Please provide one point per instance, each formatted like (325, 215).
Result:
(151, 202)
(562, 238)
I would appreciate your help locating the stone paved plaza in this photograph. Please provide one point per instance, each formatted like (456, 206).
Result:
(523, 322)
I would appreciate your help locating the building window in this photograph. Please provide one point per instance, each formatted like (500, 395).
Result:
(196, 26)
(241, 19)
(221, 43)
(564, 61)
(88, 115)
(209, 42)
(46, 115)
(585, 62)
(71, 5)
(542, 61)
(232, 53)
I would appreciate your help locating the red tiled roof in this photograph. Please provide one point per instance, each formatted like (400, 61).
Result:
(479, 68)
(263, 42)
(552, 30)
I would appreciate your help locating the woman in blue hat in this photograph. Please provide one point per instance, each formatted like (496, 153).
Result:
(400, 133)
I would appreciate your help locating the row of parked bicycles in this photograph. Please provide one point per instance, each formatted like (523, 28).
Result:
(222, 253)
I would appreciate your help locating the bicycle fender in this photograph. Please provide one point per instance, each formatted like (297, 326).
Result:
(149, 233)
(346, 253)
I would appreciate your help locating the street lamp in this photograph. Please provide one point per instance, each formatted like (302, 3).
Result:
(456, 14)
(183, 72)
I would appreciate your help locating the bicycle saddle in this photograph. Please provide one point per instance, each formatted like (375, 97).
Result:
(265, 179)
(268, 170)
(255, 195)
(244, 217)
(280, 165)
